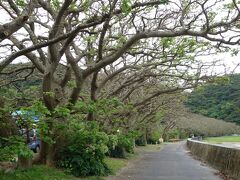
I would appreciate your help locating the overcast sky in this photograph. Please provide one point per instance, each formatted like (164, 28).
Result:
(228, 62)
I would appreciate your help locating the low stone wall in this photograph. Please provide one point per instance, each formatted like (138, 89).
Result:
(226, 160)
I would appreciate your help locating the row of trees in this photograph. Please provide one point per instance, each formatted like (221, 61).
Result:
(176, 121)
(108, 61)
(206, 127)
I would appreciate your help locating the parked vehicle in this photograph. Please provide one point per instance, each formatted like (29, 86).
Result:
(34, 145)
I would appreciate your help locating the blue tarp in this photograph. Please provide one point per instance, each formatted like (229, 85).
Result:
(27, 114)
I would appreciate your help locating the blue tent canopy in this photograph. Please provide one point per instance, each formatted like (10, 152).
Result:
(27, 114)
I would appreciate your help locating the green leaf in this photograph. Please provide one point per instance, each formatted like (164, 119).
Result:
(21, 3)
(126, 6)
(55, 4)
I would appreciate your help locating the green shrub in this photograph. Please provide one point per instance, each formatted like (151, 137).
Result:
(37, 172)
(154, 136)
(114, 149)
(12, 147)
(125, 143)
(141, 141)
(118, 152)
(85, 150)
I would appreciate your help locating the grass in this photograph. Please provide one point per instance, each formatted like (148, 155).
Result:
(222, 139)
(37, 172)
(116, 164)
(149, 148)
(40, 172)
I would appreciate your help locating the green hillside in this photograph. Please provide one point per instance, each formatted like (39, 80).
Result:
(219, 100)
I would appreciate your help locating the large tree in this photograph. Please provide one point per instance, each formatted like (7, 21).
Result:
(76, 40)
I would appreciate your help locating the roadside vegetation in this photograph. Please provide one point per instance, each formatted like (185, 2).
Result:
(223, 139)
(40, 172)
(204, 126)
(116, 164)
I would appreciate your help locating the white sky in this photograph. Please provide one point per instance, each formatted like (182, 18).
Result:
(230, 62)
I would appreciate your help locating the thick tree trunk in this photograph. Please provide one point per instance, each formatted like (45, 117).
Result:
(46, 155)
(24, 163)
(43, 153)
(93, 94)
(144, 139)
(165, 137)
(50, 158)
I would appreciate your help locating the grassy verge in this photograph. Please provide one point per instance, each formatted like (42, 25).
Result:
(148, 148)
(37, 172)
(116, 164)
(223, 139)
(40, 172)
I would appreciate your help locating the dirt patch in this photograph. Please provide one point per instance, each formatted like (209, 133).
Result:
(7, 166)
(223, 176)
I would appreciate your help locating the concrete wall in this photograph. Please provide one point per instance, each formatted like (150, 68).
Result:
(226, 160)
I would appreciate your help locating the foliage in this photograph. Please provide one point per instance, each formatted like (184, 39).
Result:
(126, 6)
(204, 126)
(13, 146)
(113, 141)
(219, 100)
(223, 139)
(21, 96)
(101, 107)
(109, 112)
(117, 152)
(173, 134)
(183, 134)
(141, 140)
(37, 173)
(44, 119)
(154, 136)
(125, 144)
(21, 3)
(8, 126)
(85, 150)
(56, 4)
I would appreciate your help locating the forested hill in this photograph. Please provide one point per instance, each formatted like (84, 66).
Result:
(219, 100)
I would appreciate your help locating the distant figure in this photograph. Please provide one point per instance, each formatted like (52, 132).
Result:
(160, 140)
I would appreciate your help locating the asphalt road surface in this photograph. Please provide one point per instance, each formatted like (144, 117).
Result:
(172, 162)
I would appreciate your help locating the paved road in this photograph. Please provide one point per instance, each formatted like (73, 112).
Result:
(172, 162)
